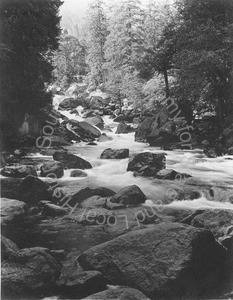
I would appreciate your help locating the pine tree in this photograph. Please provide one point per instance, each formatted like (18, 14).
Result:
(123, 48)
(69, 59)
(96, 36)
(159, 41)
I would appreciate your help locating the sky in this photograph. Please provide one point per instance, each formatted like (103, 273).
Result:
(73, 13)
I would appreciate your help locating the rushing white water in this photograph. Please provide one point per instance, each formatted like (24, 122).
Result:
(112, 173)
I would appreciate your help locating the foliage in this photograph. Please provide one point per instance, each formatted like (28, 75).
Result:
(204, 55)
(29, 30)
(159, 41)
(96, 28)
(123, 49)
(69, 60)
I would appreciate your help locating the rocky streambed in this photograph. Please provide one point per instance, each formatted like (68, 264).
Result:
(110, 218)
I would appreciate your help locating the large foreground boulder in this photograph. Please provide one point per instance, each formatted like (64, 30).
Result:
(115, 153)
(121, 293)
(28, 273)
(140, 163)
(130, 195)
(18, 171)
(168, 260)
(71, 161)
(52, 169)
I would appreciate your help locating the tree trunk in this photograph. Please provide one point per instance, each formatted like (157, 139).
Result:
(119, 99)
(166, 83)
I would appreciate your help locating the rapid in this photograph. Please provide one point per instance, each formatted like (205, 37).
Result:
(112, 173)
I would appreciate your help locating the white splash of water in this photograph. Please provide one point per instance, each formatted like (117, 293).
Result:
(200, 203)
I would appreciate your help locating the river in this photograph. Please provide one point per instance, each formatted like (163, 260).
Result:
(112, 173)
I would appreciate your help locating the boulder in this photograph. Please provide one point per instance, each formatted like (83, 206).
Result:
(98, 99)
(92, 144)
(121, 293)
(120, 118)
(90, 129)
(81, 283)
(7, 247)
(217, 221)
(115, 153)
(51, 151)
(32, 190)
(146, 171)
(165, 135)
(149, 125)
(87, 192)
(62, 136)
(104, 138)
(74, 111)
(70, 161)
(52, 169)
(83, 130)
(89, 113)
(103, 192)
(167, 260)
(171, 174)
(213, 152)
(227, 241)
(11, 211)
(130, 195)
(143, 130)
(78, 173)
(9, 187)
(94, 201)
(220, 223)
(69, 103)
(53, 210)
(155, 162)
(18, 171)
(30, 272)
(96, 121)
(123, 128)
(59, 141)
(157, 130)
